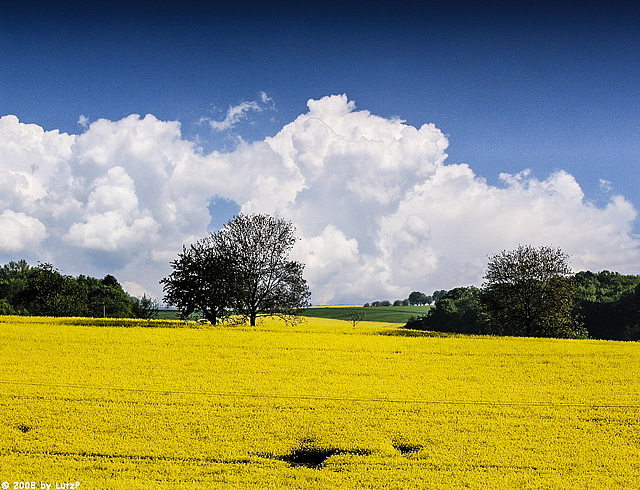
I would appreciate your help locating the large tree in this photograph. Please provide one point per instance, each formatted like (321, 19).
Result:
(529, 291)
(244, 268)
(200, 282)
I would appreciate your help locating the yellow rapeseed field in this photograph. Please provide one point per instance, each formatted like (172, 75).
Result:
(122, 404)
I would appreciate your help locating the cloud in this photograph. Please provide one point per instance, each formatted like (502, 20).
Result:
(20, 232)
(378, 210)
(605, 185)
(237, 113)
(83, 121)
(113, 220)
(265, 98)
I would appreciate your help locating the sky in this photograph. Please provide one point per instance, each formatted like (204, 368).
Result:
(406, 143)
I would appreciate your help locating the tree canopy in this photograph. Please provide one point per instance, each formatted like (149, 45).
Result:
(416, 298)
(243, 269)
(529, 291)
(200, 281)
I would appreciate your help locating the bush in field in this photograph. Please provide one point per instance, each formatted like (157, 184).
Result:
(355, 316)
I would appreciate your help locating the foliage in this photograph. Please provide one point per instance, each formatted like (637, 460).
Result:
(48, 292)
(6, 308)
(416, 298)
(457, 311)
(609, 304)
(604, 286)
(438, 294)
(243, 268)
(208, 407)
(528, 292)
(145, 307)
(43, 290)
(13, 280)
(105, 297)
(355, 316)
(201, 281)
(376, 304)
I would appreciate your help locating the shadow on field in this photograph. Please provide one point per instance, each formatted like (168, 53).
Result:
(308, 454)
(406, 448)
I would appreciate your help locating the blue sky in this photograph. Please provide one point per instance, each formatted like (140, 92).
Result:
(538, 87)
(517, 89)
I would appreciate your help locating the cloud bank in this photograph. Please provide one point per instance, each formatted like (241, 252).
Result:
(378, 210)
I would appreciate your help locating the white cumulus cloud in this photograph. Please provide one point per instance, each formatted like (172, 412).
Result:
(20, 232)
(378, 210)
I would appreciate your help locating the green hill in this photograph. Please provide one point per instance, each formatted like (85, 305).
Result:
(387, 314)
(390, 314)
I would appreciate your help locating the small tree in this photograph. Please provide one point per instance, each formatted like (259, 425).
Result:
(529, 291)
(145, 307)
(355, 316)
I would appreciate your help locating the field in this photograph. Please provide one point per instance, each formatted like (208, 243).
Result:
(318, 405)
(386, 314)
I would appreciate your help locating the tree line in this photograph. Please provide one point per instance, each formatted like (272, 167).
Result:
(42, 290)
(531, 292)
(416, 298)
